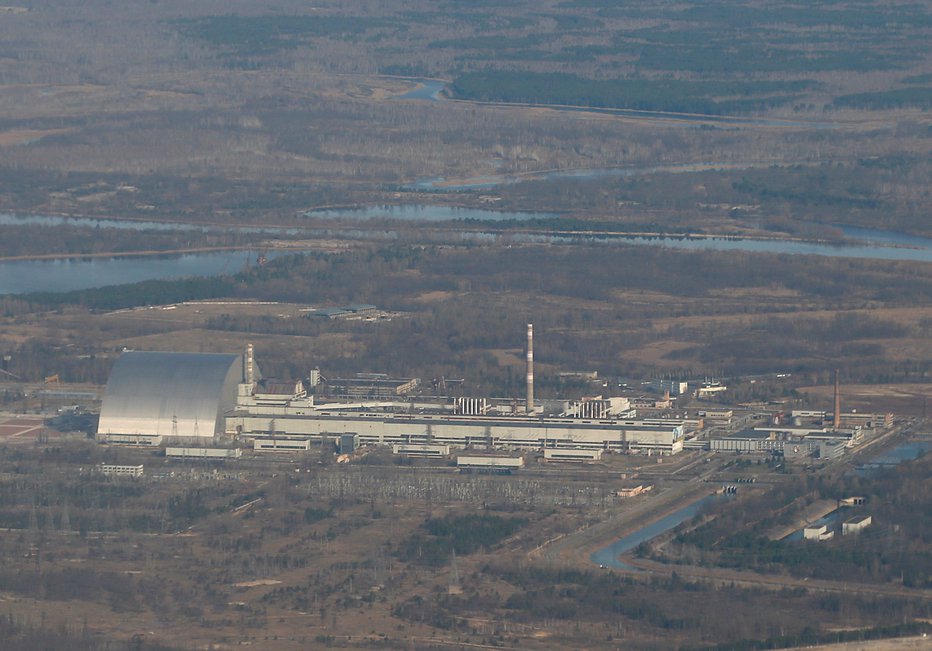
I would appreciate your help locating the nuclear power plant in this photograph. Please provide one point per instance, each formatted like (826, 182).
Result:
(156, 398)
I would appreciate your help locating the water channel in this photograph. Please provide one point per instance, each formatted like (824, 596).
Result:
(908, 451)
(608, 556)
(432, 91)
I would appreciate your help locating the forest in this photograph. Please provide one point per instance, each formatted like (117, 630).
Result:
(273, 126)
(652, 95)
(624, 311)
(895, 549)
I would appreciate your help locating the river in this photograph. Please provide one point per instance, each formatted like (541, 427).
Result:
(62, 275)
(21, 276)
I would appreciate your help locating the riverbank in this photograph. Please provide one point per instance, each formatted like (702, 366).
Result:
(578, 547)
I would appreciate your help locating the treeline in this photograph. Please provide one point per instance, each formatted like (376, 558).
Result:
(483, 294)
(811, 636)
(898, 98)
(18, 635)
(678, 611)
(896, 501)
(463, 534)
(264, 35)
(33, 240)
(148, 292)
(641, 94)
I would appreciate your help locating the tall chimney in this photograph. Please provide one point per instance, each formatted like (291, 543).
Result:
(250, 369)
(529, 405)
(836, 422)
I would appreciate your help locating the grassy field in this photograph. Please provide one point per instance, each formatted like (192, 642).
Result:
(296, 553)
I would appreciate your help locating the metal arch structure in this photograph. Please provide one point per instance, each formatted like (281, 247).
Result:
(170, 394)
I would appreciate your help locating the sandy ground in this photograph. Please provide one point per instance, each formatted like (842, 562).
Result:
(919, 642)
(25, 136)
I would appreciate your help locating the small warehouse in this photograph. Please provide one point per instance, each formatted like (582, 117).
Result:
(503, 465)
(281, 445)
(572, 454)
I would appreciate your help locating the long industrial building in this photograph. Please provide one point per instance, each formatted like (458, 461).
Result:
(197, 396)
(393, 424)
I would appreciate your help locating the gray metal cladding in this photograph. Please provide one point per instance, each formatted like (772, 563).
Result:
(170, 394)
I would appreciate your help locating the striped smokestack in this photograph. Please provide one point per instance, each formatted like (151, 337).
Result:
(529, 405)
(250, 370)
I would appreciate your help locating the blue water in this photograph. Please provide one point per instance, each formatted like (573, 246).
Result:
(903, 452)
(23, 276)
(885, 238)
(918, 253)
(64, 275)
(608, 556)
(427, 89)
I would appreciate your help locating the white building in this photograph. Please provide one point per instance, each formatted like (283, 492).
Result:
(577, 455)
(421, 450)
(675, 387)
(820, 532)
(114, 470)
(203, 453)
(855, 525)
(492, 464)
(281, 445)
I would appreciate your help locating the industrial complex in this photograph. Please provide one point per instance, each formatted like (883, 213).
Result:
(156, 398)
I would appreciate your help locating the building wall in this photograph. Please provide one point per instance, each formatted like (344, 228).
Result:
(461, 431)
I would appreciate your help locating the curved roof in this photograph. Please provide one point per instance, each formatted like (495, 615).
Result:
(169, 394)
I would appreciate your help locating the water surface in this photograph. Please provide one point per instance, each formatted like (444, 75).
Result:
(63, 275)
(608, 556)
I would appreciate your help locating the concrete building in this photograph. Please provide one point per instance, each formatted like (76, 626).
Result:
(348, 443)
(748, 442)
(675, 387)
(854, 526)
(818, 532)
(489, 432)
(869, 421)
(717, 415)
(371, 386)
(831, 450)
(281, 445)
(170, 395)
(710, 390)
(136, 440)
(203, 453)
(576, 455)
(490, 464)
(114, 470)
(270, 391)
(634, 491)
(421, 450)
(598, 407)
